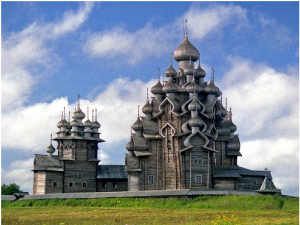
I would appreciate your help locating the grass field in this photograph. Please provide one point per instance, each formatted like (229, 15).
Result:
(202, 210)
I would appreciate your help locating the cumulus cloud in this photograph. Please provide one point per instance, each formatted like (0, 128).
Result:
(118, 42)
(261, 97)
(117, 102)
(19, 172)
(214, 18)
(280, 155)
(25, 55)
(266, 112)
(149, 41)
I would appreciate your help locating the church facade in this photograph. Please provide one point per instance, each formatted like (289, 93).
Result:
(187, 139)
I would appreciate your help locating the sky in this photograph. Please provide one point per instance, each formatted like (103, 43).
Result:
(111, 52)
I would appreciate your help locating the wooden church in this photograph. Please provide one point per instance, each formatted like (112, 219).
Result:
(187, 140)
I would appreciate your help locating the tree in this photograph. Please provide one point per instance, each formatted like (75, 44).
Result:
(10, 189)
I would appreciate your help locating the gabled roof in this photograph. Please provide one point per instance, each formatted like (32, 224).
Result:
(44, 162)
(111, 172)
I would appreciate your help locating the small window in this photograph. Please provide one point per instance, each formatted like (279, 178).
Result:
(114, 185)
(54, 184)
(70, 184)
(150, 179)
(103, 185)
(84, 184)
(254, 182)
(198, 179)
(198, 161)
(79, 175)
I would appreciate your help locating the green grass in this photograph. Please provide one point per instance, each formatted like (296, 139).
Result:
(201, 210)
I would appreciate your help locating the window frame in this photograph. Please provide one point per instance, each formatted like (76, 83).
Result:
(151, 179)
(56, 184)
(197, 181)
(84, 184)
(70, 184)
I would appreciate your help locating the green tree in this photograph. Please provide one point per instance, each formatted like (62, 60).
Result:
(10, 189)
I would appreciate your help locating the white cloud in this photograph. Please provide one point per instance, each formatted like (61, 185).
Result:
(212, 19)
(265, 105)
(25, 55)
(134, 47)
(19, 172)
(117, 102)
(149, 41)
(261, 97)
(280, 155)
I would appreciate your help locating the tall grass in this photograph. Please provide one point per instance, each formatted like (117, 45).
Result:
(262, 202)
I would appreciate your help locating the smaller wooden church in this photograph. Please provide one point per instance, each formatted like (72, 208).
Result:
(75, 168)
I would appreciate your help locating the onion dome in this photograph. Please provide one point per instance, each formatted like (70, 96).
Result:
(223, 111)
(137, 126)
(194, 105)
(171, 72)
(185, 51)
(50, 149)
(87, 123)
(189, 70)
(147, 108)
(212, 89)
(193, 87)
(62, 123)
(75, 123)
(200, 72)
(157, 88)
(129, 145)
(96, 124)
(195, 121)
(78, 114)
(233, 127)
(170, 87)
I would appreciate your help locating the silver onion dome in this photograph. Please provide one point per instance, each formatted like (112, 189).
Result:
(189, 70)
(62, 123)
(129, 146)
(186, 50)
(157, 88)
(193, 87)
(78, 114)
(170, 72)
(50, 149)
(200, 72)
(96, 124)
(137, 126)
(147, 108)
(87, 123)
(170, 87)
(212, 89)
(75, 123)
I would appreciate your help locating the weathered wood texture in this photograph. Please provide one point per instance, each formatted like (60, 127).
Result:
(111, 185)
(39, 183)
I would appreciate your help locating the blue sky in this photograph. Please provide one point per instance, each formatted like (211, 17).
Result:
(110, 52)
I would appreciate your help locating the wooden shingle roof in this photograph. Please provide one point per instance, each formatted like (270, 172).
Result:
(111, 172)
